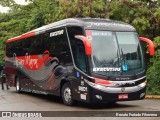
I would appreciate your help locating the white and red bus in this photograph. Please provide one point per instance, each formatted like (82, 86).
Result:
(90, 60)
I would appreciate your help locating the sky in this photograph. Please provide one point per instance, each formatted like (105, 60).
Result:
(4, 9)
(22, 2)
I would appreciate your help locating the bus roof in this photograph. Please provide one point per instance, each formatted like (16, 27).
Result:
(87, 23)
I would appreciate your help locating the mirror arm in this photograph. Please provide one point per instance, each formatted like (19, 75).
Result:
(87, 44)
(150, 43)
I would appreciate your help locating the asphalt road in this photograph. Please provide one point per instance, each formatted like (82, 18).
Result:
(12, 101)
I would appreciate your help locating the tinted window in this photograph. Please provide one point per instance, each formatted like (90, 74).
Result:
(34, 45)
(14, 47)
(9, 49)
(57, 45)
(80, 55)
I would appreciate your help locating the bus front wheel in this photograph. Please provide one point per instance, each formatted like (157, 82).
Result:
(67, 94)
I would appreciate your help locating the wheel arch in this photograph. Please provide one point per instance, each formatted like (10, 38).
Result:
(15, 80)
(63, 81)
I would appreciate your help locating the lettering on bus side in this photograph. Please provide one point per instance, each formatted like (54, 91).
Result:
(109, 24)
(125, 83)
(32, 63)
(56, 33)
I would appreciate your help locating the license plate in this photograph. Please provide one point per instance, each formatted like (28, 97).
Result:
(123, 96)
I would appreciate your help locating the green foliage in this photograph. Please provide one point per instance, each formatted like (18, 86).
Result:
(144, 15)
(7, 2)
(153, 71)
(81, 8)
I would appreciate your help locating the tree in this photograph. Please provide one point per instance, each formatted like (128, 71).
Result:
(7, 3)
(154, 70)
(81, 8)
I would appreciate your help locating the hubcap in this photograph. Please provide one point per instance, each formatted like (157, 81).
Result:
(67, 94)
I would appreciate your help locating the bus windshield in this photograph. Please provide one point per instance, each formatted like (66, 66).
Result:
(115, 53)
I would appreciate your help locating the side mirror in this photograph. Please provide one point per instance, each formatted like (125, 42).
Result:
(87, 44)
(150, 44)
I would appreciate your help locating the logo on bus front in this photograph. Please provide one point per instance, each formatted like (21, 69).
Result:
(124, 67)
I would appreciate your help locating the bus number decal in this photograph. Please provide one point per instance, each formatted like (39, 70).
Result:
(81, 88)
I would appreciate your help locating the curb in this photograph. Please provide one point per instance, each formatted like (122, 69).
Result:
(152, 96)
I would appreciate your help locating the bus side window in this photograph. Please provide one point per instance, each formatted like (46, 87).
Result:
(10, 50)
(58, 47)
(26, 45)
(80, 56)
(36, 46)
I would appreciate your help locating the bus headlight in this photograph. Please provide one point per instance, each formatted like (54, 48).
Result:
(101, 87)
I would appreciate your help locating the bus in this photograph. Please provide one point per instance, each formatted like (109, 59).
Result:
(91, 60)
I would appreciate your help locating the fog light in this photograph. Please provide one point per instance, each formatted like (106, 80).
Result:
(99, 97)
(142, 95)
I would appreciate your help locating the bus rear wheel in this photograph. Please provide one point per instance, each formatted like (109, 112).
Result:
(67, 95)
(18, 86)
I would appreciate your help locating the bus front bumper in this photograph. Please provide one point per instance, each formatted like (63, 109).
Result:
(101, 93)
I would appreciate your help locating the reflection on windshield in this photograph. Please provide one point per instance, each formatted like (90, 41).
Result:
(116, 53)
(130, 50)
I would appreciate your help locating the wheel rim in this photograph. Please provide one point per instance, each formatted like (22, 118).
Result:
(67, 94)
(17, 85)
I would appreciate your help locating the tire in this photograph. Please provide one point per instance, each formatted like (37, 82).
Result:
(18, 86)
(67, 95)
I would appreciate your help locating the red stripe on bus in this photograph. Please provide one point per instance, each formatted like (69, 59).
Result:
(30, 34)
(102, 81)
(26, 35)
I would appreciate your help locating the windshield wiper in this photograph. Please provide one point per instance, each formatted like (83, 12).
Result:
(123, 56)
(118, 56)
